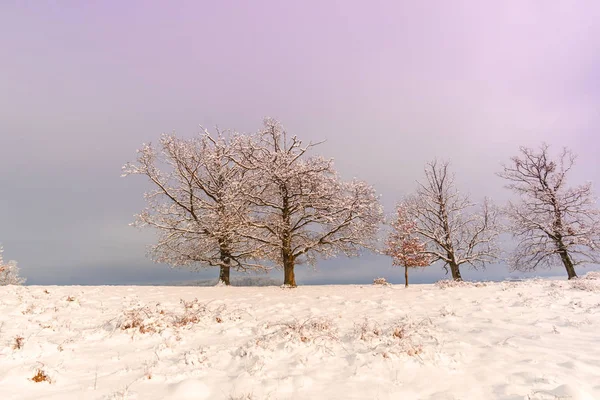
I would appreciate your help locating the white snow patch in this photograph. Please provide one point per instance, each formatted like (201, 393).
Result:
(533, 340)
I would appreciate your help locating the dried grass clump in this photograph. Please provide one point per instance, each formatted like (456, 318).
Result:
(29, 310)
(368, 330)
(18, 343)
(244, 396)
(399, 338)
(592, 276)
(308, 331)
(381, 282)
(142, 320)
(587, 285)
(41, 376)
(450, 283)
(193, 312)
(146, 319)
(399, 332)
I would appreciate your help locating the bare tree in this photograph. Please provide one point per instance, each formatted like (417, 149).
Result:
(403, 245)
(555, 224)
(453, 233)
(9, 272)
(196, 204)
(301, 209)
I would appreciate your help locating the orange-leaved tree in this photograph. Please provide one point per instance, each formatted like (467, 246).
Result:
(403, 245)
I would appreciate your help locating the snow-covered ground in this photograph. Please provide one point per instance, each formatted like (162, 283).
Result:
(511, 340)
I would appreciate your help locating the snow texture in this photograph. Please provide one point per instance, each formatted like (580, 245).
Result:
(534, 339)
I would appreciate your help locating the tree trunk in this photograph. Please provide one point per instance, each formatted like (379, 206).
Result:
(558, 239)
(289, 278)
(405, 276)
(225, 269)
(567, 262)
(224, 275)
(286, 240)
(454, 268)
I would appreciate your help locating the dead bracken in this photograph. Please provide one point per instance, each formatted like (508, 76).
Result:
(41, 376)
(19, 342)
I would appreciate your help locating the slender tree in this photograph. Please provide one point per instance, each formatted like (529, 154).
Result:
(403, 244)
(301, 209)
(555, 224)
(196, 204)
(9, 272)
(452, 231)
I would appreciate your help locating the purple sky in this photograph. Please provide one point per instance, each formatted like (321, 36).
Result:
(389, 85)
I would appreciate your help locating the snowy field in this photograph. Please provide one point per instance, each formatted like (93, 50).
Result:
(512, 340)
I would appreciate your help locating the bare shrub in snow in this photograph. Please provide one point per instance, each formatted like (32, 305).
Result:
(193, 312)
(367, 330)
(381, 281)
(308, 331)
(445, 221)
(18, 343)
(588, 285)
(448, 283)
(147, 319)
(592, 275)
(445, 311)
(29, 310)
(142, 319)
(318, 332)
(506, 285)
(400, 337)
(41, 376)
(555, 224)
(243, 396)
(9, 272)
(148, 366)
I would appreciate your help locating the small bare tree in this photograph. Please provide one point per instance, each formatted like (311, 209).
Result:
(196, 204)
(9, 272)
(555, 224)
(403, 245)
(301, 209)
(453, 233)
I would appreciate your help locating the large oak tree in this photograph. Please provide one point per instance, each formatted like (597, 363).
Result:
(196, 204)
(554, 223)
(454, 231)
(301, 209)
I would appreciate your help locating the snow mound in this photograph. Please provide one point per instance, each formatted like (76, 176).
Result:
(189, 389)
(561, 392)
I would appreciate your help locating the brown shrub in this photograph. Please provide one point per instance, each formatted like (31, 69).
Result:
(41, 376)
(19, 343)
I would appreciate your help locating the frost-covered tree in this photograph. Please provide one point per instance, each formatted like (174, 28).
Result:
(403, 244)
(196, 204)
(9, 272)
(453, 231)
(301, 208)
(555, 224)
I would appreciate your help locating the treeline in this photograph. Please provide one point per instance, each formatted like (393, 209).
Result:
(258, 201)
